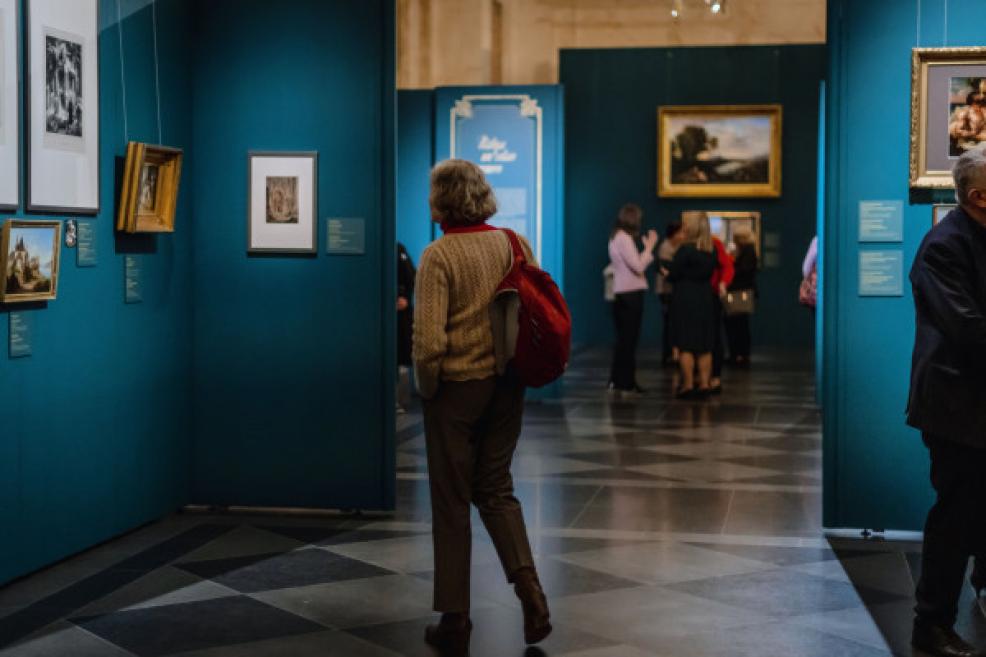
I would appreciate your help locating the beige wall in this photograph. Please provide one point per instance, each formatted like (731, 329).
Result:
(446, 42)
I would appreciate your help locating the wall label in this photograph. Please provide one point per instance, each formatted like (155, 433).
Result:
(85, 255)
(345, 236)
(20, 335)
(881, 221)
(881, 273)
(131, 279)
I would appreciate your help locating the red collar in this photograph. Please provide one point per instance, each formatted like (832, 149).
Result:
(475, 228)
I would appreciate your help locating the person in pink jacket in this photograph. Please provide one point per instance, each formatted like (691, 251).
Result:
(629, 265)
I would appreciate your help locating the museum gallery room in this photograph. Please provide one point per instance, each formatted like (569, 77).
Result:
(534, 328)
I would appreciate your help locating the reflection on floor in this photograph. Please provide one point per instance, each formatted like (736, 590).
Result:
(661, 529)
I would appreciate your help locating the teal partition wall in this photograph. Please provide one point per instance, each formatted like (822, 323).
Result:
(611, 100)
(513, 124)
(96, 435)
(294, 356)
(415, 144)
(876, 470)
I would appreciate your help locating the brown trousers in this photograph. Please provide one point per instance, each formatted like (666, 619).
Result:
(471, 430)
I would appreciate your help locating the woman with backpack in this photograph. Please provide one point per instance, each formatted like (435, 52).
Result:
(472, 414)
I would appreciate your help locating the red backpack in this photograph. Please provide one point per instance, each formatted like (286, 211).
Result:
(544, 324)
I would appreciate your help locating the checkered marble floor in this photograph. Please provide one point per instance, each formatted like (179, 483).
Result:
(660, 528)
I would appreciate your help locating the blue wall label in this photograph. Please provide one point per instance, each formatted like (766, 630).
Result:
(345, 236)
(131, 279)
(881, 221)
(86, 252)
(881, 273)
(502, 134)
(20, 335)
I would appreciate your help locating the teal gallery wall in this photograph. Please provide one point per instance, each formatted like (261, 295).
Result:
(415, 156)
(111, 423)
(876, 469)
(294, 356)
(96, 434)
(611, 101)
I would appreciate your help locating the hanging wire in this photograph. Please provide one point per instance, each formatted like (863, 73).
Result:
(944, 39)
(123, 74)
(157, 74)
(918, 39)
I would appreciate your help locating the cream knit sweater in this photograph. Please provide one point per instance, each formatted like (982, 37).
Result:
(457, 277)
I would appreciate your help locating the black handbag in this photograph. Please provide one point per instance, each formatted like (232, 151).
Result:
(739, 302)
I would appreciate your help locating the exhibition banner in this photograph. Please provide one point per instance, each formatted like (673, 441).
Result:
(503, 135)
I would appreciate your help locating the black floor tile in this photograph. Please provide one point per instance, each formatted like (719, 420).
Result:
(267, 572)
(195, 626)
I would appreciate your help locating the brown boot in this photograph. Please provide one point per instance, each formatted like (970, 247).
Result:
(535, 605)
(451, 635)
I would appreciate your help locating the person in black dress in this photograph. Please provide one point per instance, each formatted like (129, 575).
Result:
(693, 310)
(745, 279)
(405, 325)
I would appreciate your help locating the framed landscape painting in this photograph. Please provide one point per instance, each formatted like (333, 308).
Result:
(948, 111)
(707, 151)
(29, 253)
(283, 203)
(62, 106)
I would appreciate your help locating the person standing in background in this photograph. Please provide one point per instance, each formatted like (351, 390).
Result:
(694, 312)
(405, 326)
(665, 254)
(722, 278)
(629, 287)
(808, 293)
(745, 280)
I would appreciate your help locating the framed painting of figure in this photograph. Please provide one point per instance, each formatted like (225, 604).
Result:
(710, 151)
(29, 254)
(149, 195)
(282, 205)
(948, 111)
(10, 141)
(62, 119)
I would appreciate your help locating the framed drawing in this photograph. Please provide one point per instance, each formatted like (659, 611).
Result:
(940, 211)
(719, 151)
(29, 252)
(10, 140)
(282, 203)
(150, 189)
(948, 111)
(62, 120)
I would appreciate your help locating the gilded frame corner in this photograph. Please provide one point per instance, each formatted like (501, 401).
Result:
(921, 177)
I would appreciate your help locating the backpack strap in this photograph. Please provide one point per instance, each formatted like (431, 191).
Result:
(515, 245)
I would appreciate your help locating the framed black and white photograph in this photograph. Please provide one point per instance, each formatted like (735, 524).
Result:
(282, 206)
(10, 143)
(63, 106)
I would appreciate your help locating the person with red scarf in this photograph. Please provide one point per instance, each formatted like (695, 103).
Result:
(722, 278)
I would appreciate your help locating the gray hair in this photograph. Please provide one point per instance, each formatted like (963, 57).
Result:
(969, 171)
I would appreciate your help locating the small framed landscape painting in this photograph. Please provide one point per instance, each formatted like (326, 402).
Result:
(948, 111)
(62, 106)
(150, 189)
(29, 253)
(282, 204)
(719, 151)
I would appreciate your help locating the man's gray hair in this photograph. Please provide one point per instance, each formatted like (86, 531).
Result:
(969, 173)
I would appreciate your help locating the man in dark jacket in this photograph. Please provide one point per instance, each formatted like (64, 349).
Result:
(948, 403)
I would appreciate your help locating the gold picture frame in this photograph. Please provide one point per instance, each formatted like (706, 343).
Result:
(149, 196)
(934, 72)
(29, 259)
(680, 174)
